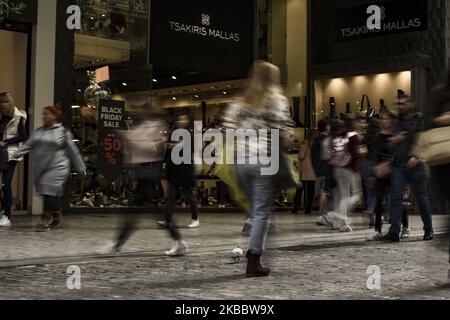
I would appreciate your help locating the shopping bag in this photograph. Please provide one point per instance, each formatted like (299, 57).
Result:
(433, 146)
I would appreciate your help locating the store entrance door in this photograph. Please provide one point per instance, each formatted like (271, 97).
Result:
(13, 79)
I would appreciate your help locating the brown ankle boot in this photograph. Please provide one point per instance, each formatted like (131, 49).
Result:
(57, 219)
(255, 268)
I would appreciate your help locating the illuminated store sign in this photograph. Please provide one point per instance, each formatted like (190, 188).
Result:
(396, 17)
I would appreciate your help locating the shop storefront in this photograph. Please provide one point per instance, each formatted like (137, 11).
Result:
(17, 19)
(193, 55)
(350, 61)
(354, 68)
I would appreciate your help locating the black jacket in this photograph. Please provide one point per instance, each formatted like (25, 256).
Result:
(180, 175)
(412, 124)
(321, 167)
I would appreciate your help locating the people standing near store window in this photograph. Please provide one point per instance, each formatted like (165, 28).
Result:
(407, 168)
(54, 153)
(181, 177)
(262, 107)
(12, 134)
(307, 174)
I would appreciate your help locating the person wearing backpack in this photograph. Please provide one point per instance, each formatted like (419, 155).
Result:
(346, 153)
(54, 152)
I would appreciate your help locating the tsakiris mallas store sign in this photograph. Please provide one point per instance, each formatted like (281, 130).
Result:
(210, 36)
(397, 16)
(205, 29)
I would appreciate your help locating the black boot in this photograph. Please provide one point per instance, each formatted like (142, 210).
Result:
(391, 237)
(429, 236)
(254, 267)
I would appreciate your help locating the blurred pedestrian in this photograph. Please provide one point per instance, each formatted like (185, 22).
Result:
(368, 163)
(144, 152)
(307, 174)
(380, 175)
(181, 177)
(323, 171)
(345, 158)
(262, 107)
(407, 168)
(54, 153)
(12, 134)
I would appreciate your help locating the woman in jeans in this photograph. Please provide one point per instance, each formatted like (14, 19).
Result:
(307, 174)
(53, 152)
(263, 106)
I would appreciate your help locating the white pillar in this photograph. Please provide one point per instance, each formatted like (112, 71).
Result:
(42, 78)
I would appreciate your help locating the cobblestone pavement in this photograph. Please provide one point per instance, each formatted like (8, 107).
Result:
(411, 270)
(309, 262)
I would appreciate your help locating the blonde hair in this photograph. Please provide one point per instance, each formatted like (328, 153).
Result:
(264, 81)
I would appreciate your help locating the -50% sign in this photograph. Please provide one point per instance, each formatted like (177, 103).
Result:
(111, 146)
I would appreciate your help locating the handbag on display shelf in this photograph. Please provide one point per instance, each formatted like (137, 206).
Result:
(433, 146)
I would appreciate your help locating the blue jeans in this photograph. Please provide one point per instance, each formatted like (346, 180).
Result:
(259, 190)
(419, 178)
(371, 196)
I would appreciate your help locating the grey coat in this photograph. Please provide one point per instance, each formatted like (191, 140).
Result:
(53, 151)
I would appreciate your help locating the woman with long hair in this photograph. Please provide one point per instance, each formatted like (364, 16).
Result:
(307, 174)
(262, 106)
(54, 151)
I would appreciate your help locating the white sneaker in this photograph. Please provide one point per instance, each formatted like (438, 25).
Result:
(195, 224)
(5, 222)
(405, 233)
(345, 228)
(180, 249)
(323, 221)
(163, 224)
(377, 236)
(108, 249)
